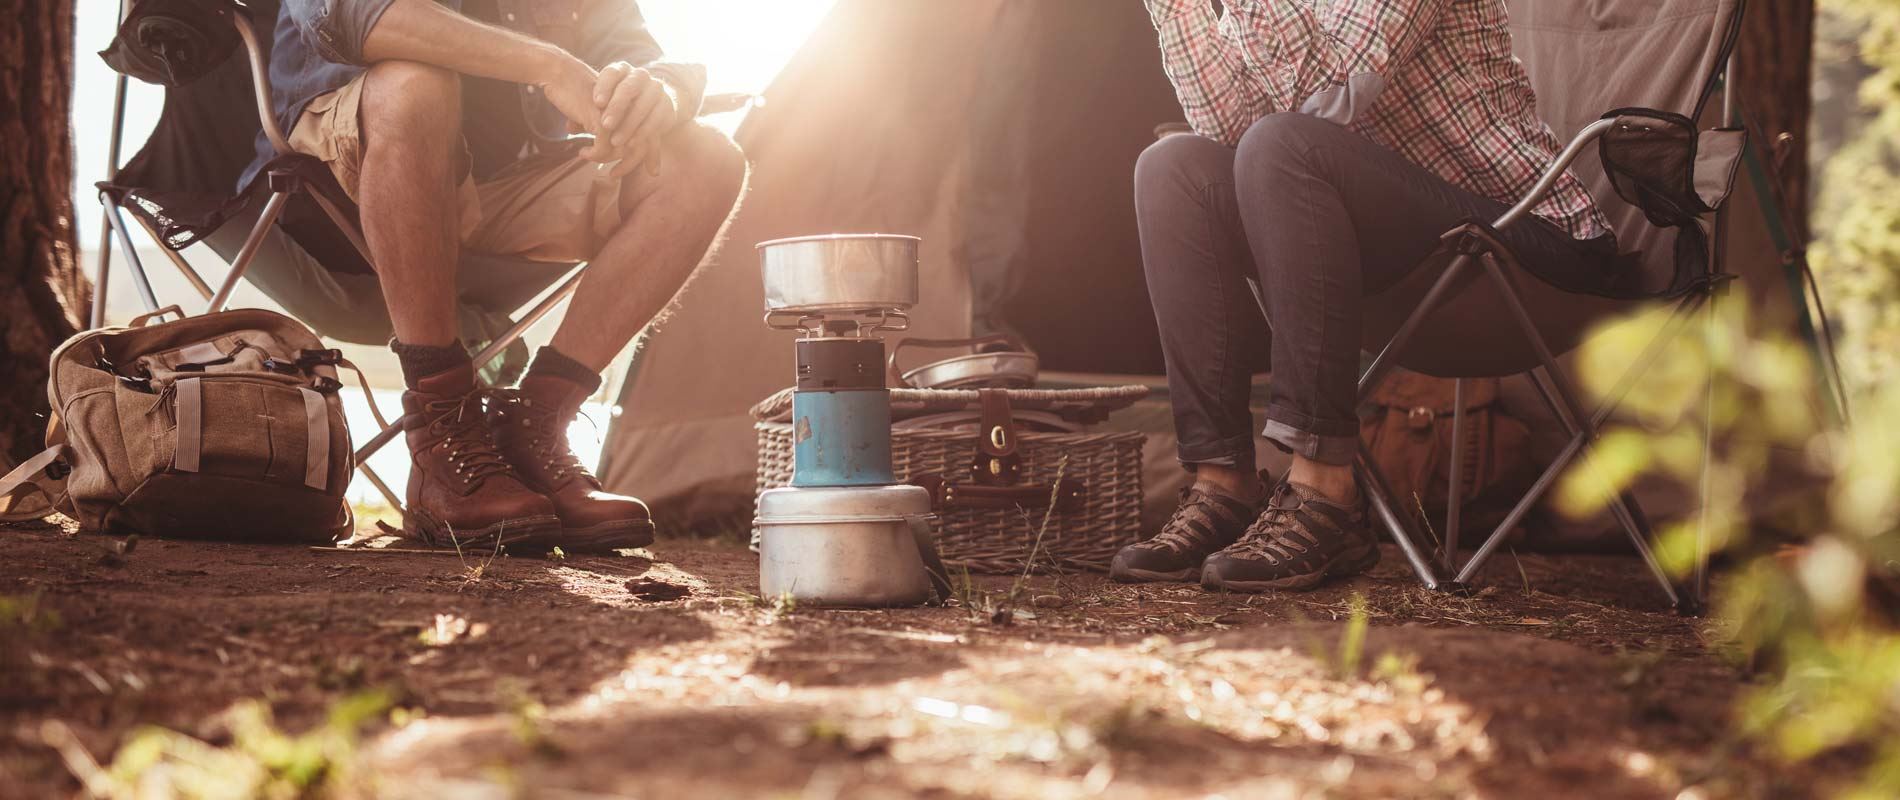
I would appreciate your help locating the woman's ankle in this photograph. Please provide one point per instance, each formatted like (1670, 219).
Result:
(1240, 483)
(1334, 482)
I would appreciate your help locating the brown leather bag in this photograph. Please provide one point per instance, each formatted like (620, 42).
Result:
(1406, 428)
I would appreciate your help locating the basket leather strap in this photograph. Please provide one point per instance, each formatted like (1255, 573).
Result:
(997, 461)
(1069, 494)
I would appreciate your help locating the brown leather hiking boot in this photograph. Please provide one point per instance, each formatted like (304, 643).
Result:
(531, 428)
(462, 492)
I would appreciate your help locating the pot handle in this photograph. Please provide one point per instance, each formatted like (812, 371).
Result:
(933, 562)
(897, 374)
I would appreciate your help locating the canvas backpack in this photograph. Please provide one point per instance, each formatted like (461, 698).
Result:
(222, 426)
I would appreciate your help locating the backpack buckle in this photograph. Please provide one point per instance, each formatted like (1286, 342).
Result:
(327, 357)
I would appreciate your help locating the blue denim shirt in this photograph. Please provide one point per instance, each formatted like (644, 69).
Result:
(318, 47)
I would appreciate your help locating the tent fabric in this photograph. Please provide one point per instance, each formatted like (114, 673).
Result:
(1637, 54)
(1005, 134)
(865, 131)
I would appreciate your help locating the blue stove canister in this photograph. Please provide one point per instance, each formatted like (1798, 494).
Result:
(841, 414)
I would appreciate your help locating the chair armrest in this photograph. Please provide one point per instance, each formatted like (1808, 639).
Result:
(1570, 153)
(260, 83)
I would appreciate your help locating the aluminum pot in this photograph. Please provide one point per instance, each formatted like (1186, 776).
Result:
(840, 273)
(851, 546)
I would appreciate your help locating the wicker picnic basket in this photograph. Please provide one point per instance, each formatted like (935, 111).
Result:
(993, 491)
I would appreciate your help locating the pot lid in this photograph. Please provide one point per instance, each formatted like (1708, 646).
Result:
(866, 503)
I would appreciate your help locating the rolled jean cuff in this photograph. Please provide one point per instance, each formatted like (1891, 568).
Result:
(1230, 452)
(1295, 433)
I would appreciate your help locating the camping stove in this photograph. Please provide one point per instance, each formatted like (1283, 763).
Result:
(845, 533)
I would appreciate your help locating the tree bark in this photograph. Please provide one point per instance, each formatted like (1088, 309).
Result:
(42, 293)
(1774, 74)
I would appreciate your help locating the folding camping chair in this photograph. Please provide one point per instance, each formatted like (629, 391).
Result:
(178, 187)
(1663, 181)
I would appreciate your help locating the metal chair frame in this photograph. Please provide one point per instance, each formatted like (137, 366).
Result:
(1557, 392)
(283, 184)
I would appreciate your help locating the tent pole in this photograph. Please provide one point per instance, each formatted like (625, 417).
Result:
(1718, 263)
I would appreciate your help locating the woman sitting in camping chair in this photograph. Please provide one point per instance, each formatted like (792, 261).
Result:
(1335, 144)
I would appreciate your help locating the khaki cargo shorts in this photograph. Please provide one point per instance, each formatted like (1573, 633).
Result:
(555, 208)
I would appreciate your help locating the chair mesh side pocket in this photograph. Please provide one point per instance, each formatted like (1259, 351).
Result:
(1650, 158)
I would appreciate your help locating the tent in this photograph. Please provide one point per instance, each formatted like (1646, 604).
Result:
(1005, 134)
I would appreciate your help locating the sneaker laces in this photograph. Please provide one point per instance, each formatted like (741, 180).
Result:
(1276, 536)
(1177, 535)
(471, 445)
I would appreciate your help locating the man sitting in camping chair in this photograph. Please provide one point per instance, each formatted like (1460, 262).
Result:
(446, 128)
(1336, 143)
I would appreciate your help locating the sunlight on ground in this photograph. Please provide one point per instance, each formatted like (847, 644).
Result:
(1043, 719)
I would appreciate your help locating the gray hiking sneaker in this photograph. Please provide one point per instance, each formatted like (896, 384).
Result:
(1203, 523)
(1299, 542)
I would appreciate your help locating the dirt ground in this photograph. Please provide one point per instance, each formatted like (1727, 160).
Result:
(656, 674)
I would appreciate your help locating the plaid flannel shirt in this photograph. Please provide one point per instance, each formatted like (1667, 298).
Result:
(1433, 80)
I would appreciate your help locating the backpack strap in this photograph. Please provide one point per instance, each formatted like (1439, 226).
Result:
(191, 424)
(316, 460)
(20, 482)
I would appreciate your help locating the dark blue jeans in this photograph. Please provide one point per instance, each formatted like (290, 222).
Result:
(1323, 217)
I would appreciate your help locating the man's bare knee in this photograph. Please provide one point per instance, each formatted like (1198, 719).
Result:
(406, 101)
(711, 162)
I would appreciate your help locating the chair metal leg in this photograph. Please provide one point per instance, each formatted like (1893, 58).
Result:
(272, 209)
(534, 315)
(1455, 499)
(377, 481)
(1684, 311)
(1370, 482)
(1699, 582)
(115, 224)
(197, 281)
(1385, 360)
(1523, 507)
(1623, 506)
(343, 223)
(1380, 499)
(1558, 393)
(101, 278)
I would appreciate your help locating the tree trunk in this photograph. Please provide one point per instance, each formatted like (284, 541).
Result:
(42, 293)
(1774, 72)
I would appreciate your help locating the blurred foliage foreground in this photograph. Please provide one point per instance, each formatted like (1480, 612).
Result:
(1857, 215)
(1800, 514)
(1801, 510)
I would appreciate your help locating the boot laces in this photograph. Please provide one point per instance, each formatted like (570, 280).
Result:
(466, 436)
(547, 436)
